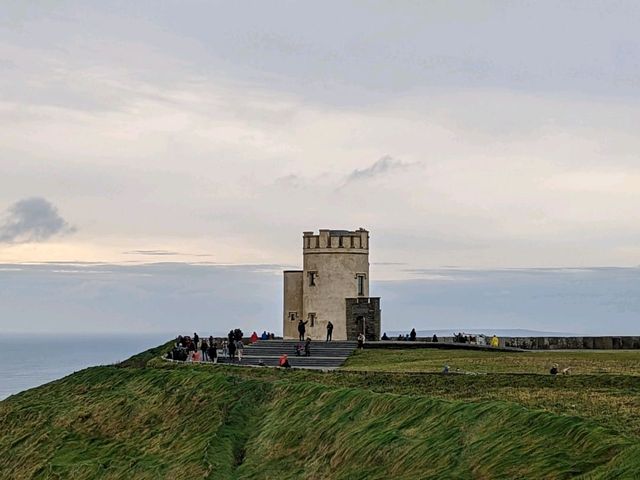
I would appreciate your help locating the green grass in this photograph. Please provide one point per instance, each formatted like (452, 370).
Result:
(151, 419)
(614, 362)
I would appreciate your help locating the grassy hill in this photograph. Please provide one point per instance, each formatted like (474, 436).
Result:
(149, 419)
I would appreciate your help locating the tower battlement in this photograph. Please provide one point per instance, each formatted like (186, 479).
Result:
(336, 241)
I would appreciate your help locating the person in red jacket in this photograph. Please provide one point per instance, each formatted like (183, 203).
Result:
(284, 361)
(254, 337)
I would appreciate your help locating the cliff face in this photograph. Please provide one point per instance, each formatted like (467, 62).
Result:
(192, 422)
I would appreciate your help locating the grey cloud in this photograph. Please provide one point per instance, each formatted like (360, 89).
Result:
(384, 165)
(164, 253)
(33, 220)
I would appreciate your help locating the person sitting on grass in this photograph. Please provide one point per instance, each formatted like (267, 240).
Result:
(284, 361)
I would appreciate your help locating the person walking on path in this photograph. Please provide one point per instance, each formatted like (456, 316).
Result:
(361, 339)
(307, 348)
(329, 331)
(239, 349)
(302, 329)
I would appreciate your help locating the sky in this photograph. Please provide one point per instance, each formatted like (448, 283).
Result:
(167, 139)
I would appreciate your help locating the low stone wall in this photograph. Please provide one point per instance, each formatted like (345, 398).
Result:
(573, 343)
(562, 343)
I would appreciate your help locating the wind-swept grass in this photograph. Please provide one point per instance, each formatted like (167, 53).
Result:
(223, 423)
(151, 419)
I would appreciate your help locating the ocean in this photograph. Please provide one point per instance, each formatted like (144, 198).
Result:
(27, 361)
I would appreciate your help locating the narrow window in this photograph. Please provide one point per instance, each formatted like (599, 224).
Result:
(312, 319)
(312, 278)
(292, 316)
(360, 285)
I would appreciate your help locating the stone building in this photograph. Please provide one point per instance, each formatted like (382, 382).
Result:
(332, 286)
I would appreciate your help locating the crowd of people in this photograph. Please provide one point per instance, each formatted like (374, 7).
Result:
(197, 349)
(471, 339)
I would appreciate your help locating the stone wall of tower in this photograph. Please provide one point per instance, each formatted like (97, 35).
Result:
(335, 259)
(292, 310)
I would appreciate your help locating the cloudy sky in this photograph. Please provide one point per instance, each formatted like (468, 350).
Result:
(486, 136)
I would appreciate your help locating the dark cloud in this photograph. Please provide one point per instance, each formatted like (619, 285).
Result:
(382, 166)
(33, 220)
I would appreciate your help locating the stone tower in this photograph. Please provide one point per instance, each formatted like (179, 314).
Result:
(333, 286)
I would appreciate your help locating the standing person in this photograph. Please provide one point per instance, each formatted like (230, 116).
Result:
(210, 340)
(232, 351)
(412, 335)
(254, 337)
(307, 347)
(204, 347)
(213, 352)
(434, 339)
(495, 342)
(239, 349)
(196, 339)
(225, 349)
(301, 329)
(361, 340)
(329, 331)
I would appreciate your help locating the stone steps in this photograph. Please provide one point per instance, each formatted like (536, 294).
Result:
(324, 355)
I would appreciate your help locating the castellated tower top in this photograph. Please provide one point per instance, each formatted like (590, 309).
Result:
(336, 241)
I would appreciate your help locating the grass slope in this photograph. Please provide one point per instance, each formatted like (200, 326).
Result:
(223, 423)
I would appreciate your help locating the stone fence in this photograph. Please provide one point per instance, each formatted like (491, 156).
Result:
(562, 343)
(573, 343)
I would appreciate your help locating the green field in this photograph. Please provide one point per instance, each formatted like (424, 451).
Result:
(151, 419)
(614, 362)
